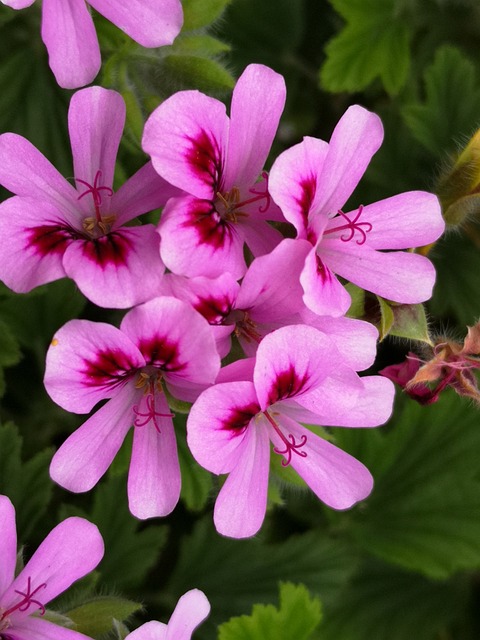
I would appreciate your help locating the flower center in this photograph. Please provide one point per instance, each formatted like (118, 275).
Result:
(247, 329)
(351, 227)
(291, 445)
(228, 205)
(153, 392)
(25, 602)
(96, 225)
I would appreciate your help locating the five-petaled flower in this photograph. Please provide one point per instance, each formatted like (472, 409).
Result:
(161, 345)
(70, 551)
(50, 229)
(299, 375)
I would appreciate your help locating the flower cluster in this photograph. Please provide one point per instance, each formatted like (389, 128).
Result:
(231, 275)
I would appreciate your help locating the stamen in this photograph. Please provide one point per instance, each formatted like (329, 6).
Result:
(91, 223)
(230, 200)
(246, 327)
(291, 446)
(26, 601)
(352, 226)
(151, 414)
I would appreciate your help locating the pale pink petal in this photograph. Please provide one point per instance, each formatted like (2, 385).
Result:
(186, 138)
(142, 193)
(96, 118)
(34, 628)
(8, 544)
(210, 245)
(242, 502)
(399, 276)
(323, 293)
(18, 4)
(173, 336)
(88, 362)
(151, 23)
(191, 610)
(26, 172)
(119, 269)
(291, 362)
(154, 476)
(238, 370)
(86, 455)
(356, 138)
(293, 180)
(152, 630)
(70, 551)
(69, 35)
(338, 479)
(260, 237)
(257, 104)
(218, 424)
(37, 239)
(404, 221)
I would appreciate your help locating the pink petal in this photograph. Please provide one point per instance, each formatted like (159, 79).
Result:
(86, 455)
(186, 138)
(218, 425)
(26, 172)
(338, 479)
(8, 544)
(356, 138)
(70, 551)
(152, 630)
(18, 4)
(151, 23)
(399, 276)
(242, 502)
(34, 628)
(111, 271)
(69, 35)
(293, 180)
(191, 610)
(88, 362)
(257, 104)
(96, 118)
(238, 370)
(323, 292)
(213, 298)
(260, 237)
(154, 476)
(210, 245)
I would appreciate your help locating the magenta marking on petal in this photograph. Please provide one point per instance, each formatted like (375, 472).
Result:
(308, 188)
(291, 445)
(161, 353)
(323, 271)
(26, 601)
(110, 368)
(47, 239)
(239, 417)
(204, 157)
(150, 414)
(351, 227)
(111, 249)
(287, 384)
(211, 228)
(214, 310)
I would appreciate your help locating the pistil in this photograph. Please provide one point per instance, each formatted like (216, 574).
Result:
(291, 445)
(352, 226)
(24, 604)
(230, 201)
(93, 224)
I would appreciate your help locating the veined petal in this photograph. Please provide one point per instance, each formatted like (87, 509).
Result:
(151, 23)
(152, 630)
(356, 138)
(291, 362)
(70, 551)
(213, 298)
(191, 610)
(26, 172)
(34, 628)
(186, 139)
(338, 479)
(323, 293)
(293, 181)
(142, 193)
(257, 104)
(8, 544)
(96, 118)
(18, 4)
(119, 269)
(210, 245)
(154, 476)
(86, 455)
(218, 424)
(88, 362)
(260, 237)
(397, 275)
(69, 35)
(242, 502)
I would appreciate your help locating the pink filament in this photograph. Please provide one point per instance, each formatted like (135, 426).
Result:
(352, 226)
(291, 446)
(259, 195)
(150, 414)
(28, 599)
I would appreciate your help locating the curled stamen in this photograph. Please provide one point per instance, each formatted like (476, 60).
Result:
(291, 445)
(151, 414)
(27, 600)
(352, 226)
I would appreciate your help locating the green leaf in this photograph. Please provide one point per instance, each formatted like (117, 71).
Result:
(357, 307)
(201, 13)
(97, 616)
(9, 349)
(200, 45)
(197, 483)
(452, 102)
(386, 318)
(403, 321)
(194, 72)
(426, 489)
(375, 42)
(297, 617)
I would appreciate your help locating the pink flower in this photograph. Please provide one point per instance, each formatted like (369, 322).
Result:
(52, 230)
(313, 180)
(217, 160)
(69, 33)
(298, 375)
(191, 610)
(162, 344)
(70, 551)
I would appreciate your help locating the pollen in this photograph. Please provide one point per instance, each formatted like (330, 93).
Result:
(54, 342)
